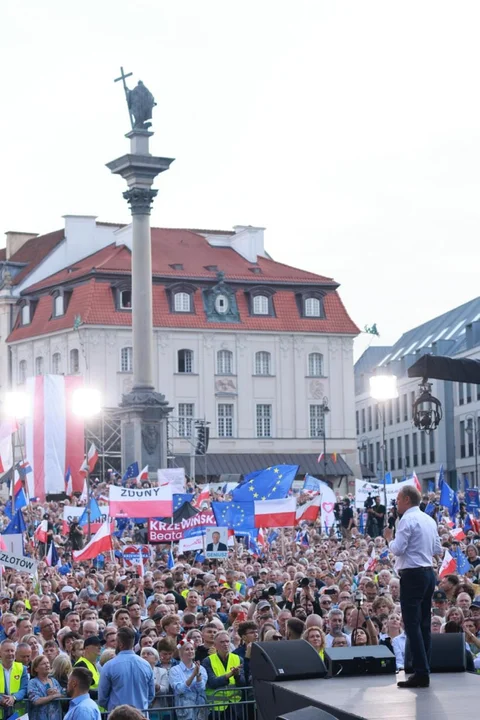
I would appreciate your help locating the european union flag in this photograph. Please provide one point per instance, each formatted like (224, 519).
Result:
(441, 477)
(273, 482)
(17, 525)
(122, 524)
(312, 483)
(272, 536)
(170, 561)
(132, 471)
(236, 515)
(95, 513)
(199, 557)
(388, 478)
(180, 498)
(430, 509)
(20, 502)
(463, 566)
(447, 497)
(466, 483)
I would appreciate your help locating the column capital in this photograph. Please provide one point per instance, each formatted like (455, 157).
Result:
(140, 200)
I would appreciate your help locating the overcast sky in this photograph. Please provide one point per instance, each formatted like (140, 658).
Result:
(349, 129)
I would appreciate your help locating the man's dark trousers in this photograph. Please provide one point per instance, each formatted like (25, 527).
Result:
(416, 590)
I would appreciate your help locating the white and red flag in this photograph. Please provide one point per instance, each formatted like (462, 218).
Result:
(154, 502)
(40, 533)
(448, 566)
(275, 513)
(203, 497)
(142, 475)
(371, 563)
(309, 510)
(458, 534)
(7, 428)
(54, 435)
(90, 461)
(100, 543)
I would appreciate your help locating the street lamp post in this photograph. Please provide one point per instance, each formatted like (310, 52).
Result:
(382, 389)
(363, 450)
(474, 432)
(324, 409)
(86, 403)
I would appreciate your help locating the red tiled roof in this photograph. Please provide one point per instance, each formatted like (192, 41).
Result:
(94, 302)
(3, 254)
(185, 247)
(34, 251)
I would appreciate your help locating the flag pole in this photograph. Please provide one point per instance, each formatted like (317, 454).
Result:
(87, 480)
(12, 485)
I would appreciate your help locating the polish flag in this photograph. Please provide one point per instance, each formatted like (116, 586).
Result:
(89, 463)
(41, 532)
(261, 539)
(458, 534)
(54, 435)
(202, 498)
(371, 563)
(7, 428)
(142, 476)
(275, 513)
(100, 543)
(416, 482)
(68, 483)
(448, 566)
(309, 511)
(145, 503)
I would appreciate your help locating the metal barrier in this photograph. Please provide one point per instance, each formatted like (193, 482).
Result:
(164, 707)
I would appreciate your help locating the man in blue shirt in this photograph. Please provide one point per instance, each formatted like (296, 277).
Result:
(82, 707)
(126, 679)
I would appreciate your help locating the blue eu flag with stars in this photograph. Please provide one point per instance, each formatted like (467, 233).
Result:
(180, 498)
(131, 472)
(273, 482)
(235, 515)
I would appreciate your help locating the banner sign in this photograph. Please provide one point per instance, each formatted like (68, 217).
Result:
(160, 531)
(14, 543)
(146, 503)
(189, 544)
(175, 477)
(135, 554)
(472, 499)
(20, 563)
(363, 488)
(72, 512)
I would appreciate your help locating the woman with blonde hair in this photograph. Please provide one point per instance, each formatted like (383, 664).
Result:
(35, 646)
(61, 669)
(316, 638)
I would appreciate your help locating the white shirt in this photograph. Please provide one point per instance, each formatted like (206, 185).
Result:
(398, 645)
(329, 639)
(416, 540)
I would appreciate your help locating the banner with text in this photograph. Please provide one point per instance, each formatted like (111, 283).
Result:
(363, 489)
(175, 477)
(20, 563)
(72, 512)
(160, 531)
(146, 503)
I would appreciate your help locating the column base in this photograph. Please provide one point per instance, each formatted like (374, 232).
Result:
(144, 424)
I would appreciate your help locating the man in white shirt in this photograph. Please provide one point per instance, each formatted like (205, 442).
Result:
(415, 544)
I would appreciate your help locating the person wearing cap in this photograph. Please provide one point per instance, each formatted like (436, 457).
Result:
(440, 603)
(91, 652)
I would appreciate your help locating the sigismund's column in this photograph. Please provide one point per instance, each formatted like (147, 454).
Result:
(144, 410)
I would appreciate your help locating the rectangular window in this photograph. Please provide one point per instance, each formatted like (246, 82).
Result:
(412, 400)
(377, 416)
(363, 421)
(431, 440)
(225, 420)
(186, 413)
(469, 393)
(317, 418)
(369, 416)
(463, 450)
(407, 451)
(415, 449)
(423, 449)
(470, 433)
(405, 407)
(378, 456)
(390, 411)
(397, 410)
(478, 392)
(392, 453)
(264, 421)
(357, 422)
(461, 398)
(370, 457)
(399, 453)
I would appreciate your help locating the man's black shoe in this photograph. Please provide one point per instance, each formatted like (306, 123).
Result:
(415, 681)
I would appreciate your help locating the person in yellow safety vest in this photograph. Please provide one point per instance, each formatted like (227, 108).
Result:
(225, 674)
(13, 679)
(91, 652)
(232, 583)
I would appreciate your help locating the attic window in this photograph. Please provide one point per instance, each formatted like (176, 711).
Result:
(58, 306)
(25, 317)
(176, 266)
(211, 268)
(125, 300)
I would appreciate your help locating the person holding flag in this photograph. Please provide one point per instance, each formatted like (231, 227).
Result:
(415, 544)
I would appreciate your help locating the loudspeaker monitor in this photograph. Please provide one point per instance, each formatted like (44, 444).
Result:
(285, 660)
(360, 660)
(449, 653)
(308, 713)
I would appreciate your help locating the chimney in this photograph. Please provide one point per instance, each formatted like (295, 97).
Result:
(248, 241)
(16, 240)
(472, 334)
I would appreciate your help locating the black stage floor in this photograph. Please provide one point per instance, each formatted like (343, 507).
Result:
(450, 696)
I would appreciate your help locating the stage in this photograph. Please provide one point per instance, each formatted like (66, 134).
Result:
(450, 696)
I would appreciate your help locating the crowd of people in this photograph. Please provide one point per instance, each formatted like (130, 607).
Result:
(85, 638)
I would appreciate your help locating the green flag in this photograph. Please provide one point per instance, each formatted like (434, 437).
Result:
(372, 330)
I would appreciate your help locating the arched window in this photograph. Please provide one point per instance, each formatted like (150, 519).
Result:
(56, 363)
(262, 363)
(22, 372)
(224, 362)
(185, 361)
(39, 365)
(58, 305)
(260, 305)
(313, 307)
(74, 361)
(315, 364)
(182, 302)
(126, 359)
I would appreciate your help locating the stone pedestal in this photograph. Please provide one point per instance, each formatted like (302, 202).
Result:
(144, 410)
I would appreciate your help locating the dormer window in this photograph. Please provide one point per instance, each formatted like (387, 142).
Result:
(25, 315)
(182, 302)
(221, 304)
(313, 307)
(260, 305)
(58, 306)
(125, 299)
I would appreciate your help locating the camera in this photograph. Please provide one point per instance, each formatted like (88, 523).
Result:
(268, 592)
(369, 502)
(304, 582)
(359, 598)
